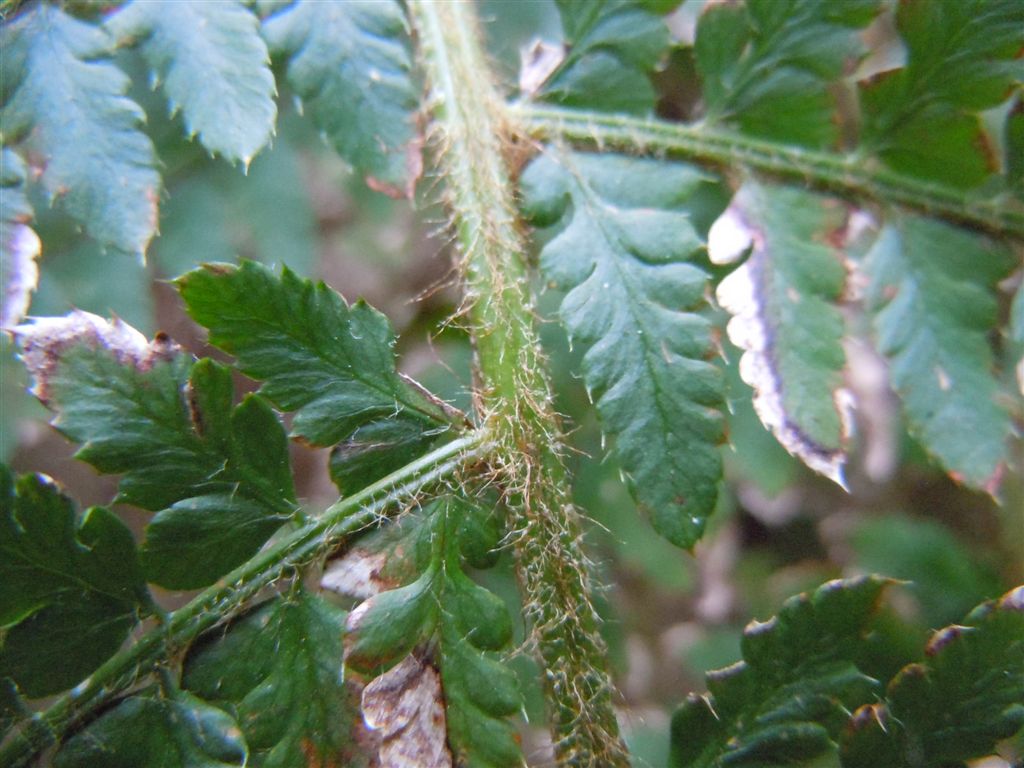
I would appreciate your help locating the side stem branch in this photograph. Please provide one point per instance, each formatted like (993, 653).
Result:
(846, 175)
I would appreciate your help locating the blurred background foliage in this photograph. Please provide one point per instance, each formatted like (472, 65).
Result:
(670, 615)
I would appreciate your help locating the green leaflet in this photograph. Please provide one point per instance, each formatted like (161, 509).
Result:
(351, 65)
(278, 670)
(766, 65)
(967, 695)
(220, 477)
(69, 97)
(213, 65)
(19, 244)
(932, 296)
(156, 731)
(962, 57)
(330, 362)
(784, 301)
(623, 254)
(390, 632)
(789, 698)
(71, 588)
(611, 48)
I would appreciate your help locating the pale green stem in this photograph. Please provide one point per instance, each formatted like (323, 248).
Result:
(231, 594)
(850, 175)
(470, 132)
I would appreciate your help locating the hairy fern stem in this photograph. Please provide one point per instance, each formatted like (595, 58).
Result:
(235, 591)
(847, 175)
(471, 134)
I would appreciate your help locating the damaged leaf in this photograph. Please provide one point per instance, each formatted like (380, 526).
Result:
(624, 253)
(785, 316)
(405, 708)
(441, 624)
(219, 478)
(46, 340)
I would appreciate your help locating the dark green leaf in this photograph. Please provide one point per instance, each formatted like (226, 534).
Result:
(480, 693)
(157, 732)
(61, 95)
(19, 244)
(932, 293)
(70, 589)
(956, 705)
(962, 57)
(279, 670)
(220, 477)
(767, 65)
(331, 362)
(350, 63)
(612, 46)
(784, 301)
(789, 698)
(623, 255)
(375, 449)
(213, 65)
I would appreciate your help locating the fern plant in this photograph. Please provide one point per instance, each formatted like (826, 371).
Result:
(812, 193)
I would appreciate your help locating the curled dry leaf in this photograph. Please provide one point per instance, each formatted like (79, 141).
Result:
(406, 707)
(45, 340)
(20, 274)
